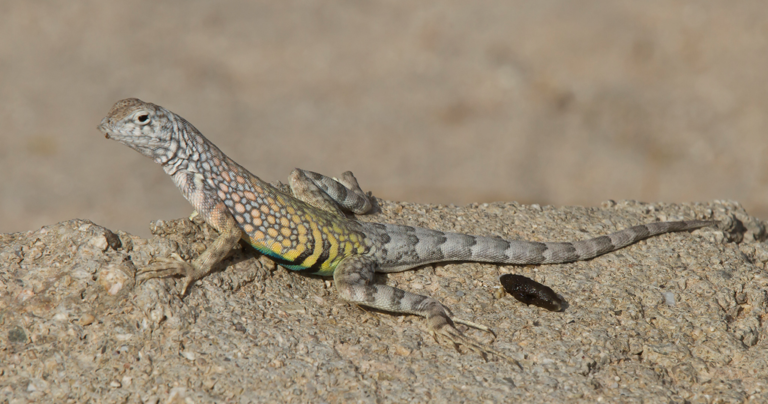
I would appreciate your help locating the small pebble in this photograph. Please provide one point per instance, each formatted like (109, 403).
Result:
(112, 278)
(87, 319)
(669, 299)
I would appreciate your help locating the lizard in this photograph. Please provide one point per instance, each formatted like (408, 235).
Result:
(307, 230)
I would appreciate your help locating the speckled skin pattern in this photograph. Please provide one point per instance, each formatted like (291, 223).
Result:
(309, 232)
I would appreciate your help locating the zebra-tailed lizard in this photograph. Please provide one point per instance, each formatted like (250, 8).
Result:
(308, 231)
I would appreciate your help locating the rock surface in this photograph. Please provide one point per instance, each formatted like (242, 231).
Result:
(676, 318)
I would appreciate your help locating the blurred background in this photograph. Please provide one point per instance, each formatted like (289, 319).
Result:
(540, 101)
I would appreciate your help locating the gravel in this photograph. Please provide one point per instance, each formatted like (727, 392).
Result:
(676, 318)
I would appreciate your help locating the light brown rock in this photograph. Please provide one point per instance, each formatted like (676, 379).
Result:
(680, 317)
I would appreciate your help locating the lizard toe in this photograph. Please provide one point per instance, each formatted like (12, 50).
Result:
(441, 325)
(166, 268)
(455, 336)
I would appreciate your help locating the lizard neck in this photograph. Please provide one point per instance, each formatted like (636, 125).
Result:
(194, 153)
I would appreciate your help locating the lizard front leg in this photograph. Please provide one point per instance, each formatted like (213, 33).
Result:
(216, 214)
(353, 279)
(329, 194)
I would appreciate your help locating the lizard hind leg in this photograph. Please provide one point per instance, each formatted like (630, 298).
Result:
(329, 194)
(353, 279)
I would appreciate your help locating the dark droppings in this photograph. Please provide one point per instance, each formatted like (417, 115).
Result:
(529, 291)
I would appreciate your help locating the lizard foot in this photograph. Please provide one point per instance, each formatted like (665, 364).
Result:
(169, 267)
(441, 325)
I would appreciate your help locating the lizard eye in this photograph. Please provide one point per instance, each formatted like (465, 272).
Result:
(142, 118)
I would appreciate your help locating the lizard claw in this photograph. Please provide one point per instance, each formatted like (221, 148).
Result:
(442, 325)
(455, 336)
(166, 268)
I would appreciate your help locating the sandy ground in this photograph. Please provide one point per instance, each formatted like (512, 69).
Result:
(678, 318)
(551, 102)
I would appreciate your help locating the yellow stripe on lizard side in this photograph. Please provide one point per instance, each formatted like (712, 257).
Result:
(291, 255)
(334, 252)
(348, 249)
(318, 245)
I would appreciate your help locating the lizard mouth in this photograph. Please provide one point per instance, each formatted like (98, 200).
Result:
(102, 128)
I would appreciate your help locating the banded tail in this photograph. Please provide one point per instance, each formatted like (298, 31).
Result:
(403, 247)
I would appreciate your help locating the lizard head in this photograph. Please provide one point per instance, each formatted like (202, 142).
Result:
(142, 126)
